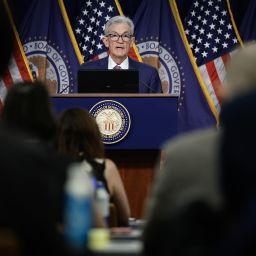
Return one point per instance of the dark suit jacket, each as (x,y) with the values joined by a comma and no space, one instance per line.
(149,81)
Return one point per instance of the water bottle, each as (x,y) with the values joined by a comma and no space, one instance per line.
(102,200)
(77,207)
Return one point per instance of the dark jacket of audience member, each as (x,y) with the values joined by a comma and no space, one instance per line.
(238,174)
(29,181)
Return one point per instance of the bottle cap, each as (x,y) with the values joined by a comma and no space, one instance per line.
(98,239)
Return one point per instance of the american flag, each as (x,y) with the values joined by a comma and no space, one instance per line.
(90,25)
(212,38)
(18,69)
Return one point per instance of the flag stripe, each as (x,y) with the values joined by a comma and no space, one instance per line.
(226,58)
(20,65)
(7,79)
(214,77)
(18,69)
(14,70)
(220,68)
(210,89)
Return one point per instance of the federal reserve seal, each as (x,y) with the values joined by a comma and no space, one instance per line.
(47,62)
(113,120)
(164,59)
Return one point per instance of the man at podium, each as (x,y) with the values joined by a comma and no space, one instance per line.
(119,39)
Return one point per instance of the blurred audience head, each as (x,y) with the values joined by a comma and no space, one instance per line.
(78,135)
(241,75)
(27,108)
(7,43)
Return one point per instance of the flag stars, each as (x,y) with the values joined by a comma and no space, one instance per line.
(199,17)
(217,8)
(78,31)
(204,54)
(81,21)
(89,3)
(222,22)
(99,13)
(99,46)
(207,12)
(193,13)
(210,3)
(84,48)
(92,19)
(87,38)
(212,26)
(102,4)
(206,45)
(199,40)
(224,13)
(110,8)
(89,29)
(225,45)
(107,18)
(196,4)
(204,21)
(217,40)
(227,35)
(190,22)
(214,17)
(201,31)
(209,35)
(193,36)
(229,26)
(191,45)
(235,41)
(187,32)
(215,49)
(219,31)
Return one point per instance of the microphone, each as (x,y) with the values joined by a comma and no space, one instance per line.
(152,90)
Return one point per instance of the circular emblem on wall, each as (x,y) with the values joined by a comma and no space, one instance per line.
(47,62)
(164,59)
(113,120)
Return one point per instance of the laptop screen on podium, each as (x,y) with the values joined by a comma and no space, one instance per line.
(108,81)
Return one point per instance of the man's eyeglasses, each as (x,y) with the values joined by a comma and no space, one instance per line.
(115,37)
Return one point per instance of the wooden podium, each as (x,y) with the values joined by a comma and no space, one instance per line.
(153,120)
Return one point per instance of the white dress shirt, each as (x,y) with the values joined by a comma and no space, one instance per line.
(123,65)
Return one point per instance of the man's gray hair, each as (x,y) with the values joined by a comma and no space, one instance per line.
(241,70)
(119,20)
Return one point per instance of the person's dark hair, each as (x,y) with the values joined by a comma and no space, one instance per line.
(27,108)
(78,133)
(6,39)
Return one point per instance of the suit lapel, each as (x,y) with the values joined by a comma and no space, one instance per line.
(132,64)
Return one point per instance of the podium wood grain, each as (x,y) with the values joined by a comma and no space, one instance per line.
(137,172)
